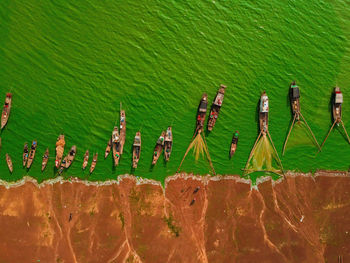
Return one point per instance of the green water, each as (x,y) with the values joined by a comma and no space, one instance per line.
(70,63)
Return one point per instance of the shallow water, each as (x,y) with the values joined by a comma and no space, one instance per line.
(69,65)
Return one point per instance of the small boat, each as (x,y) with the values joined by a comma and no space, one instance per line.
(294,95)
(337,102)
(9,163)
(31,154)
(45,160)
(122,129)
(158,148)
(25,154)
(215,107)
(201,112)
(168,143)
(116,145)
(108,148)
(63,164)
(263,113)
(6,110)
(71,156)
(234,143)
(59,150)
(93,163)
(136,149)
(86,159)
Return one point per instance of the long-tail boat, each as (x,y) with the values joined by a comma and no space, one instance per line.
(9,163)
(31,154)
(6,110)
(122,130)
(59,150)
(86,159)
(264,113)
(116,145)
(93,163)
(215,107)
(168,143)
(136,151)
(45,160)
(71,156)
(234,143)
(25,154)
(201,112)
(158,148)
(108,148)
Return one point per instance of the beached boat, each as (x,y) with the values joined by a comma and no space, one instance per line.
(59,150)
(86,159)
(234,143)
(45,160)
(116,145)
(93,163)
(25,154)
(337,102)
(122,130)
(31,154)
(158,148)
(108,148)
(9,163)
(168,143)
(294,95)
(71,156)
(215,107)
(136,151)
(264,113)
(201,112)
(6,110)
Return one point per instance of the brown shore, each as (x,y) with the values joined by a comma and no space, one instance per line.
(302,218)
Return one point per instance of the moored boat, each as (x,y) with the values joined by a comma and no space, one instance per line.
(71,156)
(168,143)
(45,160)
(136,151)
(215,107)
(337,102)
(122,130)
(25,154)
(31,154)
(116,145)
(59,150)
(158,148)
(201,112)
(234,143)
(108,148)
(9,163)
(6,110)
(93,163)
(263,113)
(294,96)
(86,159)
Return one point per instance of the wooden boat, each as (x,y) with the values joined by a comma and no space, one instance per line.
(168,143)
(158,148)
(136,149)
(116,145)
(215,107)
(263,113)
(63,164)
(59,150)
(201,112)
(86,159)
(9,163)
(337,102)
(45,160)
(6,110)
(93,163)
(71,156)
(234,143)
(108,148)
(122,130)
(25,154)
(31,154)
(294,96)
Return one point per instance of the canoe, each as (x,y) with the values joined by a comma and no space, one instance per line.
(71,156)
(86,159)
(6,110)
(9,163)
(31,154)
(234,143)
(158,148)
(25,154)
(294,96)
(63,164)
(59,150)
(108,148)
(136,149)
(337,102)
(263,113)
(45,160)
(93,163)
(116,145)
(122,130)
(168,143)
(201,112)
(215,107)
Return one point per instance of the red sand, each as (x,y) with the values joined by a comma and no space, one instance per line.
(298,219)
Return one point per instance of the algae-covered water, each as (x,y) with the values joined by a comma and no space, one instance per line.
(70,63)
